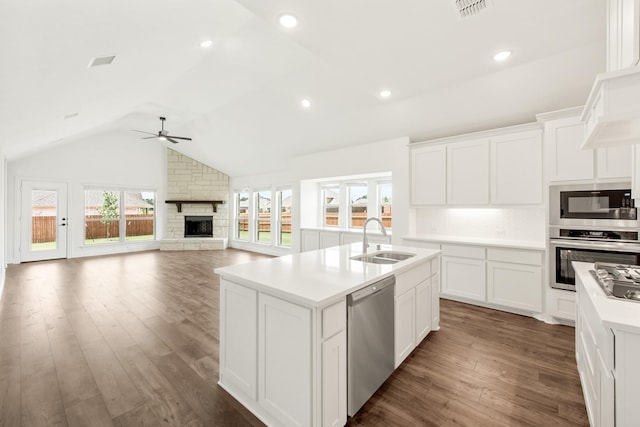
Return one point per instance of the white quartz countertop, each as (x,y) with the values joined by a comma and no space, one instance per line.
(478,241)
(615,313)
(318,278)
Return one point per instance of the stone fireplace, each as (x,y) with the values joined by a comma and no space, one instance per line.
(191,189)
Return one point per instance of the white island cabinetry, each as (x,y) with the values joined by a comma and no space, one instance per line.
(607,353)
(283,336)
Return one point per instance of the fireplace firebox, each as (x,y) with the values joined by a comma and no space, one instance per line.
(198,226)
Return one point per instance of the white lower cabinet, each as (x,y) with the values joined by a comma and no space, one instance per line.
(334,380)
(497,277)
(417,307)
(514,278)
(310,240)
(423,310)
(464,277)
(238,361)
(284,360)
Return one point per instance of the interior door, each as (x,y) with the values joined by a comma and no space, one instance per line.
(44,221)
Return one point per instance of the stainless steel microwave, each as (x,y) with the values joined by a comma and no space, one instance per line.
(609,205)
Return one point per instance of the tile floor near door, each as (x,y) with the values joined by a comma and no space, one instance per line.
(133,340)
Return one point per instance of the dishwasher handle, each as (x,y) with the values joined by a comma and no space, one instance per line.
(370,290)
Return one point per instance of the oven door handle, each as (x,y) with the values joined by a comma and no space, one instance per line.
(622,247)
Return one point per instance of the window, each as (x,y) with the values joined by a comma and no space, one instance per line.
(104,210)
(284,217)
(263,216)
(331,205)
(242,216)
(358,204)
(385,197)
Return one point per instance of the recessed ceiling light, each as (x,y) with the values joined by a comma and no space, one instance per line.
(501,56)
(288,21)
(385,93)
(305,103)
(206,43)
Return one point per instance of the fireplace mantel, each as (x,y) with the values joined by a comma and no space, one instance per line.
(213,203)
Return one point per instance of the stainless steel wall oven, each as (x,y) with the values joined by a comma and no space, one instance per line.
(567,245)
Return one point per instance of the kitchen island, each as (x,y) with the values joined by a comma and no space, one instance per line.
(283,327)
(607,352)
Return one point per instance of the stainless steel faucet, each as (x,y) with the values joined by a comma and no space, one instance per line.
(365,244)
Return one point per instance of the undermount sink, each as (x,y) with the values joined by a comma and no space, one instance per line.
(386,257)
(400,256)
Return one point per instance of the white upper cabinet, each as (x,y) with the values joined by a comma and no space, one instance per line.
(428,175)
(516,168)
(614,162)
(501,167)
(567,161)
(468,172)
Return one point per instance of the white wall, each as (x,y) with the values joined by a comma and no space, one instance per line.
(3,228)
(114,159)
(376,157)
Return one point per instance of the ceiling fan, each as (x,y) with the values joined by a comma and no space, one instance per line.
(163,134)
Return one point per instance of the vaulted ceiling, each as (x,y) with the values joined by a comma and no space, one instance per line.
(239,99)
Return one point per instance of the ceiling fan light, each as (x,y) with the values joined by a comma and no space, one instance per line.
(207,43)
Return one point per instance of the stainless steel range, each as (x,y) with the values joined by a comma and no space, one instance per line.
(618,280)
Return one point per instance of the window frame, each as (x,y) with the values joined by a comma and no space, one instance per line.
(323,215)
(237,196)
(256,217)
(122,214)
(278,227)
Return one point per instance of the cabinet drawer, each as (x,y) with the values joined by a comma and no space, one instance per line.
(476,252)
(409,279)
(334,319)
(519,256)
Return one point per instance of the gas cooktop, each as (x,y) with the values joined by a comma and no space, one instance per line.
(618,280)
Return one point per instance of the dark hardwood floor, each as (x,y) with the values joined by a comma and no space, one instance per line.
(132,339)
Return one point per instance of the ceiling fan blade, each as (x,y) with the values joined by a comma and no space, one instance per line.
(150,137)
(170,139)
(181,137)
(141,131)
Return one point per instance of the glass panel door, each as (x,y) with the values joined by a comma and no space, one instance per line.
(44,221)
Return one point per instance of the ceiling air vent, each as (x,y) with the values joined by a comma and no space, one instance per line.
(103,60)
(467,8)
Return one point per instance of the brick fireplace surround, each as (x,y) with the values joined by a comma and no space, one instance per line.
(188,179)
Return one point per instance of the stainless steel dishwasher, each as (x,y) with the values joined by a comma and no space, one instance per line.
(370,341)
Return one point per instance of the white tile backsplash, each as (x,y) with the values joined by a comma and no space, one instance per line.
(521,223)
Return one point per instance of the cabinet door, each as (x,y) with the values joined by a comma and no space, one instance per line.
(606,388)
(516,168)
(428,175)
(614,162)
(329,239)
(423,310)
(238,338)
(468,173)
(435,302)
(405,325)
(310,240)
(284,360)
(567,161)
(334,380)
(464,277)
(515,285)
